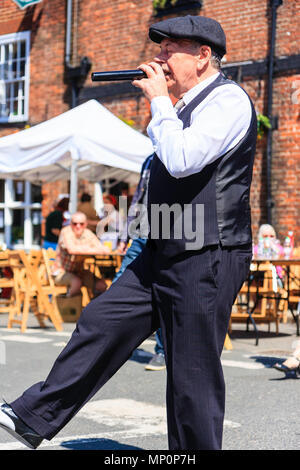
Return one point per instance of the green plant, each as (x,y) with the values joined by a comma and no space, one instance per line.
(263,123)
(161,4)
(17,233)
(129,122)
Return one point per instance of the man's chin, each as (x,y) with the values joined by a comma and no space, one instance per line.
(172,89)
(171,84)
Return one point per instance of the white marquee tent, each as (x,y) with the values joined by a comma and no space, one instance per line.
(87,142)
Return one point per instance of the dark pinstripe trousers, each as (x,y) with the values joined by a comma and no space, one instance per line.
(190,297)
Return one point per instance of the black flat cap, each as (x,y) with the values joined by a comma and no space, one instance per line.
(199,28)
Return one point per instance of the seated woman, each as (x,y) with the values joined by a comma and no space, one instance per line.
(267,240)
(112,224)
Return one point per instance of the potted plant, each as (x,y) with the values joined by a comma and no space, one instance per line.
(164,7)
(161,4)
(263,123)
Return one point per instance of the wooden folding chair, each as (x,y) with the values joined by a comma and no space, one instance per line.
(258,298)
(48,285)
(9,304)
(32,292)
(16,314)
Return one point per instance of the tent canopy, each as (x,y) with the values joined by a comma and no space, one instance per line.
(102,145)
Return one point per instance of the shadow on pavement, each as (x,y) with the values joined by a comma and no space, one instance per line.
(97,444)
(267,361)
(244,334)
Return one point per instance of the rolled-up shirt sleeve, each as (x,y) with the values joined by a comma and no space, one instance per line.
(217,125)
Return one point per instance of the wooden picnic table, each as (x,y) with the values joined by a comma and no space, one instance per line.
(261,285)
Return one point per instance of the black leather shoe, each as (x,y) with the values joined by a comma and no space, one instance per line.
(10,422)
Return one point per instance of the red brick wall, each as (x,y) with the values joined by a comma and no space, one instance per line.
(113,34)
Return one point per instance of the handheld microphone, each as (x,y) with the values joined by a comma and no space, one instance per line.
(118,75)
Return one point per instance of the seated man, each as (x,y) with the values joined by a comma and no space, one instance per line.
(77,239)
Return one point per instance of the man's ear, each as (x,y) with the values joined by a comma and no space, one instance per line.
(203,57)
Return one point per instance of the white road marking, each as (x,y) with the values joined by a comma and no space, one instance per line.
(42,331)
(34,339)
(148,342)
(144,418)
(66,334)
(24,339)
(138,419)
(231,424)
(242,364)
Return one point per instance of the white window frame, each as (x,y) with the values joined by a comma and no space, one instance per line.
(10,39)
(9,205)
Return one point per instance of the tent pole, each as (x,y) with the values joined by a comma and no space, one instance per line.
(73,187)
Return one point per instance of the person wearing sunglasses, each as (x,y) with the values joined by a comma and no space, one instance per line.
(74,239)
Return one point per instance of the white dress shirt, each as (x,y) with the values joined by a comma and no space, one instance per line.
(218,123)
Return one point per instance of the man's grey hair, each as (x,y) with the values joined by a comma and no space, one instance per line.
(215,59)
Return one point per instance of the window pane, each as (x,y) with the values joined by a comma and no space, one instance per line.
(18,226)
(22,107)
(14,68)
(14,49)
(3,110)
(22,68)
(36,193)
(21,92)
(7,89)
(2,182)
(22,49)
(2,235)
(7,71)
(15,108)
(1,71)
(5,53)
(36,217)
(19,188)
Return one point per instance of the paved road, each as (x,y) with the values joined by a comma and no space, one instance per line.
(129,412)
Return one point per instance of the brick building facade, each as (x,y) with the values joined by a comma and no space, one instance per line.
(113,35)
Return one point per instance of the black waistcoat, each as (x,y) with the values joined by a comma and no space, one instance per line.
(222,189)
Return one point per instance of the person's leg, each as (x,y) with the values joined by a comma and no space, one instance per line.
(75,287)
(100,286)
(133,251)
(95,284)
(194,316)
(159,348)
(157,362)
(70,280)
(108,330)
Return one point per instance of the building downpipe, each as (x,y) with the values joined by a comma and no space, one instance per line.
(274,5)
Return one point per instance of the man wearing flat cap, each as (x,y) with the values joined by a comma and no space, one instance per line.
(187,277)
